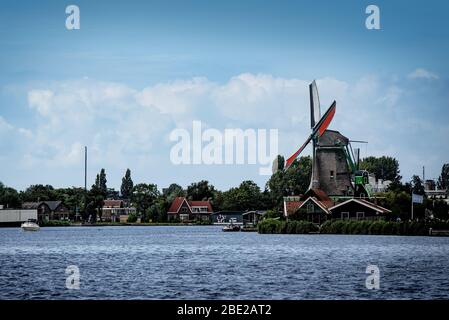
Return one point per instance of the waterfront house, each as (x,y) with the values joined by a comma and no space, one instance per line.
(48,210)
(317,207)
(116,211)
(252,217)
(358,209)
(221,217)
(313,206)
(185,210)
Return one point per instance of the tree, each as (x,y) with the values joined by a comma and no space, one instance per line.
(143,197)
(73,198)
(200,191)
(38,192)
(443,180)
(127,185)
(417,185)
(101,181)
(158,210)
(293,181)
(246,197)
(173,191)
(96,198)
(9,197)
(385,168)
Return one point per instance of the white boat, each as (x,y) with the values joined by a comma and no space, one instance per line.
(30,225)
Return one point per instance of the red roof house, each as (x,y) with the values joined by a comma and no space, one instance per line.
(184,210)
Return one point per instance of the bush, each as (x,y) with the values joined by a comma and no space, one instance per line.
(132,218)
(286,227)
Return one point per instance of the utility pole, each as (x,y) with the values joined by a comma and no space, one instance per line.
(85,181)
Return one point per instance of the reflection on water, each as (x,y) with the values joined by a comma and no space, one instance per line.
(202,262)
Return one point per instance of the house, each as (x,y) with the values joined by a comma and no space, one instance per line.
(313,206)
(252,217)
(317,207)
(222,217)
(358,209)
(115,211)
(184,210)
(48,210)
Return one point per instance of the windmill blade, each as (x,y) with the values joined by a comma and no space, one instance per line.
(315,112)
(296,154)
(318,131)
(324,122)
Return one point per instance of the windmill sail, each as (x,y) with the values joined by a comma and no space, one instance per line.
(317,131)
(315,112)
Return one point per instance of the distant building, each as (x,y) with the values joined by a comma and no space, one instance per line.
(14,217)
(429,185)
(317,207)
(313,206)
(115,211)
(358,209)
(221,217)
(184,210)
(252,217)
(48,210)
(378,185)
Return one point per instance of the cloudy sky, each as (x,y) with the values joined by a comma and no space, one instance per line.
(135,71)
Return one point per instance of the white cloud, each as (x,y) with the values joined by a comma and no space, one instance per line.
(129,127)
(421,73)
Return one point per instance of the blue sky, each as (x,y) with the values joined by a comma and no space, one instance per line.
(136,70)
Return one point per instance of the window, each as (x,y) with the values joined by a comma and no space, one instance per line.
(184,209)
(332,174)
(360,215)
(345,215)
(310,208)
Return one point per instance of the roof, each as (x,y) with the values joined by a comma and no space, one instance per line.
(365,203)
(177,203)
(52,205)
(201,204)
(320,198)
(113,203)
(30,205)
(290,207)
(322,204)
(318,193)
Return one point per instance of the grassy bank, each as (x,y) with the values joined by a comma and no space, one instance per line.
(55,223)
(352,227)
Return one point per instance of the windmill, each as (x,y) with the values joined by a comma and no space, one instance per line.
(333,164)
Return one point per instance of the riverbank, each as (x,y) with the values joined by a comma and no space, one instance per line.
(55,223)
(354,227)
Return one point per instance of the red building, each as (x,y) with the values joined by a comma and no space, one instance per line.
(184,210)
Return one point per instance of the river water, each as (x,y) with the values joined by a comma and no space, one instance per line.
(202,262)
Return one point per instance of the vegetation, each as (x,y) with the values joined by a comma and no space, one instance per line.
(55,223)
(385,168)
(380,227)
(127,186)
(152,205)
(286,227)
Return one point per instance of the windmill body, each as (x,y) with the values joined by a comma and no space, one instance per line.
(333,165)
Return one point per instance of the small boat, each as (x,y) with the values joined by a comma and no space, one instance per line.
(30,225)
(231,227)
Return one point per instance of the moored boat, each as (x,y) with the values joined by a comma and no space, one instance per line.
(30,225)
(231,227)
